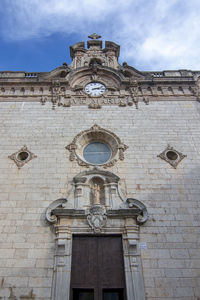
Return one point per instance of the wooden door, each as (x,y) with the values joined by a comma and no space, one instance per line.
(97,268)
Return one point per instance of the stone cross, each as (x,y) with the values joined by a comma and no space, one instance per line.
(94,36)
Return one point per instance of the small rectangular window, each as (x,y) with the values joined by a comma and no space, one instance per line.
(83,294)
(113,294)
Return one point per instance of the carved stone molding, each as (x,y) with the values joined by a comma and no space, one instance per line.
(172,156)
(96,133)
(22,156)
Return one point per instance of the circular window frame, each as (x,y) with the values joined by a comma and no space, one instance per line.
(96,164)
(96,134)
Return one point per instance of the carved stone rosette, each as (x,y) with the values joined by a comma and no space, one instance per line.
(22,156)
(96,133)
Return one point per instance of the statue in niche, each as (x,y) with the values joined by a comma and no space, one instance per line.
(96,193)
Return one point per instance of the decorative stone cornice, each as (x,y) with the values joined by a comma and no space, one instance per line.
(135,208)
(125,85)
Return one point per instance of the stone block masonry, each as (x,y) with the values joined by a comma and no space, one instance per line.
(170,262)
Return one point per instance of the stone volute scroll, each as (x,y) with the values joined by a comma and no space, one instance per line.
(50,217)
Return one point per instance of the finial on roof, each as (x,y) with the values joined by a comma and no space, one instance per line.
(94,36)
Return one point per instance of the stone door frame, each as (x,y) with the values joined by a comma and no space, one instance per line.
(63,256)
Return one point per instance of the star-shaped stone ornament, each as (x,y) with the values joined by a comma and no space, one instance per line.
(172,156)
(22,156)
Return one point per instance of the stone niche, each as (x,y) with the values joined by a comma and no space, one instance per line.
(97,206)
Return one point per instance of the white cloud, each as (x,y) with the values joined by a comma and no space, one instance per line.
(153,34)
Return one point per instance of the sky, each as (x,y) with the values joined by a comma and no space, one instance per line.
(154,35)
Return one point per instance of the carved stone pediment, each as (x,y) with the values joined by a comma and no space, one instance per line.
(106,203)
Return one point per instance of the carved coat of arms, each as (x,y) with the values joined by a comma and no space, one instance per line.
(96,217)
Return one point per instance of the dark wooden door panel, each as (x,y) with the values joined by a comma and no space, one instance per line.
(84,264)
(97,264)
(111,262)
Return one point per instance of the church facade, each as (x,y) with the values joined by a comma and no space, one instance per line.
(99,181)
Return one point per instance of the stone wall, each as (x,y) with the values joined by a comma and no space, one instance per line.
(171,261)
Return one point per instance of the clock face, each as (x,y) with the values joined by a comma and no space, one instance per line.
(95,88)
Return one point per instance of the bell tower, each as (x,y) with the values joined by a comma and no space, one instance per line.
(94,54)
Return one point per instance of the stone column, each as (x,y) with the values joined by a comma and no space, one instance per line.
(132,263)
(62,265)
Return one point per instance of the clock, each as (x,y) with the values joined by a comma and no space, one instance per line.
(95,89)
